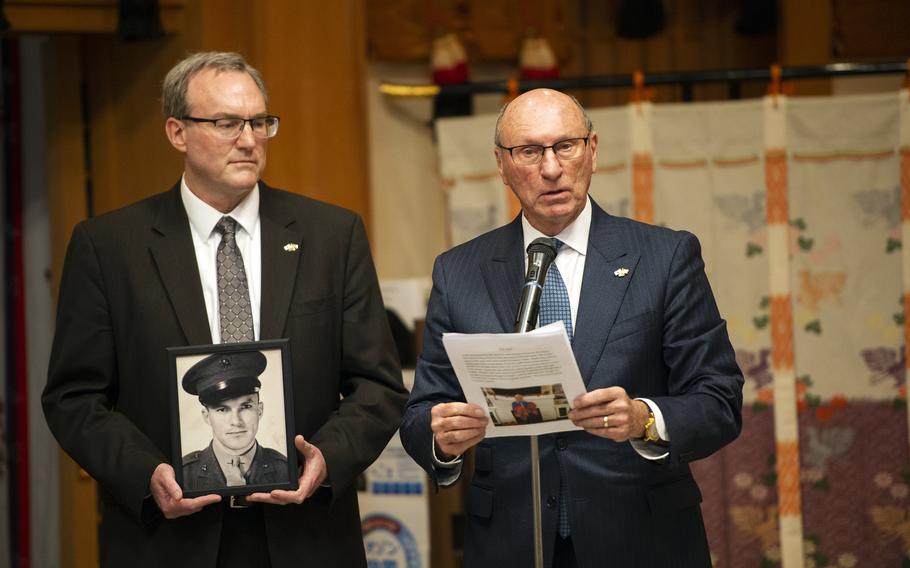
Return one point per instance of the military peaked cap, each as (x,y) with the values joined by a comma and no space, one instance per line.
(223,376)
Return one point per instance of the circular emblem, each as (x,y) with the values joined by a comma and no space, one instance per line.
(388,543)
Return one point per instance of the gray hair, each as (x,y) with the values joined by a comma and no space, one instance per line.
(174,87)
(497,135)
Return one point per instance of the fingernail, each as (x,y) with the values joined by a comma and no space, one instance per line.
(478,412)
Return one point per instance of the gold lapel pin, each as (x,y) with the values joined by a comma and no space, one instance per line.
(291,247)
(620,272)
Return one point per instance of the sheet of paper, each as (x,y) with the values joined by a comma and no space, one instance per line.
(525,381)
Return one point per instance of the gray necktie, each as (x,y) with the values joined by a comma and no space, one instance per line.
(555,306)
(234,308)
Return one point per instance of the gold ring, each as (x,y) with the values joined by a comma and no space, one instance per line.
(606,421)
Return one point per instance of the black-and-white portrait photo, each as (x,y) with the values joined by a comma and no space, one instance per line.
(232,420)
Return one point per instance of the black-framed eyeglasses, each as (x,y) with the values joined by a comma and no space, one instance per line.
(530,154)
(231,127)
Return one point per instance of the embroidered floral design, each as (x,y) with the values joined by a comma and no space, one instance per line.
(882,205)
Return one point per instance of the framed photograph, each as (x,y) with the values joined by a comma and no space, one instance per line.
(232,418)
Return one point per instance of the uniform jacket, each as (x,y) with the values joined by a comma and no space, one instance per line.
(201,470)
(130,288)
(655,332)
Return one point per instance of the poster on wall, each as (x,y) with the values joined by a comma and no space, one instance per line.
(394,509)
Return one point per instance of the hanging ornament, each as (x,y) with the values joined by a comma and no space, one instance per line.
(450,67)
(536,59)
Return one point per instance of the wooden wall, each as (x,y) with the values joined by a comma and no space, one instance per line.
(697,35)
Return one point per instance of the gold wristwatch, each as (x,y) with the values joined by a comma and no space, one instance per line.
(651,434)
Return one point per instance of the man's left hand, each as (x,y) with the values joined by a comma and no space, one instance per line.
(313,473)
(625,418)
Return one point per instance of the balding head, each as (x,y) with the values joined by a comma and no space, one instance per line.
(546,152)
(538,97)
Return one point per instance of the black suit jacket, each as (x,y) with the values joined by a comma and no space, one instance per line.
(131,288)
(656,332)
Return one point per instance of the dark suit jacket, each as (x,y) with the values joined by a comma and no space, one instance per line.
(131,287)
(656,333)
(202,472)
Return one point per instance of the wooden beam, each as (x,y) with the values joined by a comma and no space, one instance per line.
(79,16)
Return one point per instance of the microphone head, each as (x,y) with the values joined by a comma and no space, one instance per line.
(543,245)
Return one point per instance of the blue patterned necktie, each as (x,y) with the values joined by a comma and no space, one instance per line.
(235,311)
(554,299)
(555,306)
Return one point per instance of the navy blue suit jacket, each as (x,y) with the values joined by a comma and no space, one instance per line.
(656,332)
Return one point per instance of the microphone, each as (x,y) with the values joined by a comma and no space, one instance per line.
(541,254)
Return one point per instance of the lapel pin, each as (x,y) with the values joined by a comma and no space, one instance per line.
(291,247)
(620,272)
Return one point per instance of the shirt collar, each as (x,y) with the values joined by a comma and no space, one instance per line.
(203,217)
(574,236)
(225,458)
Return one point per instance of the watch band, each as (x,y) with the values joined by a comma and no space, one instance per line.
(651,434)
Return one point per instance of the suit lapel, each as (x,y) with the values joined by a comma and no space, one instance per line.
(172,249)
(503,273)
(602,291)
(279,262)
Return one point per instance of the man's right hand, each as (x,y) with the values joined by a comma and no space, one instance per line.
(457,426)
(169,496)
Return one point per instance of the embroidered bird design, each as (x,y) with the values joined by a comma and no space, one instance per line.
(756,365)
(885,363)
(825,444)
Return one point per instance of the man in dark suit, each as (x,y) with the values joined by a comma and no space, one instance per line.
(221,257)
(663,387)
(227,385)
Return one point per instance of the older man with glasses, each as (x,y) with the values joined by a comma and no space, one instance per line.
(663,385)
(222,257)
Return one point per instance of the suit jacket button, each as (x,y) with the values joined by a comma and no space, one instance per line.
(562,443)
(552,502)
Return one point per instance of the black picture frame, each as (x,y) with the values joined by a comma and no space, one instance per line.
(196,462)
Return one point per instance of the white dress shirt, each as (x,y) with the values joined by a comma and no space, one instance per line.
(203,218)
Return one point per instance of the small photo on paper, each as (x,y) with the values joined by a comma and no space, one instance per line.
(527,405)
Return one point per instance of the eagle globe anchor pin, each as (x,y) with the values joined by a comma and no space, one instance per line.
(620,272)
(290,247)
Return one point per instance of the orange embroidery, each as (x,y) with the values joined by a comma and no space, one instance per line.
(850,156)
(815,287)
(788,478)
(781,332)
(643,187)
(776,186)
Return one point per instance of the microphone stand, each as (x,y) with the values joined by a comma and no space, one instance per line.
(535,494)
(540,254)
